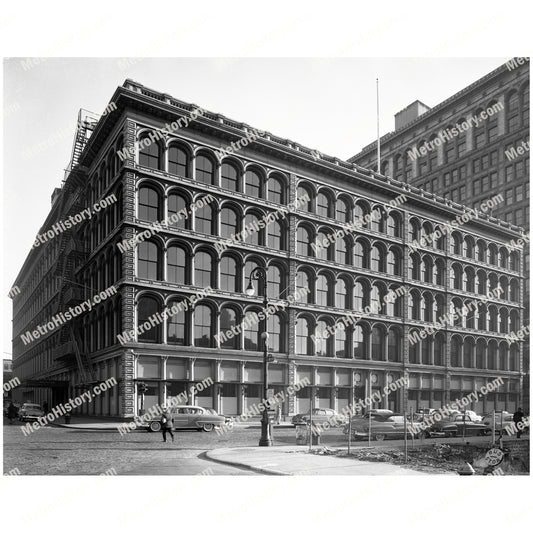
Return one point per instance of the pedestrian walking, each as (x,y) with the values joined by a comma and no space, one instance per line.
(278,414)
(518,418)
(167,423)
(11,412)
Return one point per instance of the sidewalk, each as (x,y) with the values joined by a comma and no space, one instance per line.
(295,460)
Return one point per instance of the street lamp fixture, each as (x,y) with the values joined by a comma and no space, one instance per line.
(260,274)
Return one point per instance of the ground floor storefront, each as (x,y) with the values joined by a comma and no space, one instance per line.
(235,387)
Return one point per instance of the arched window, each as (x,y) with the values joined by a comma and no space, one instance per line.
(251,331)
(202,270)
(303,337)
(323,339)
(360,211)
(253,184)
(481,350)
(468,357)
(204,220)
(342,212)
(303,282)
(303,242)
(361,255)
(275,336)
(302,194)
(456,348)
(275,190)
(274,282)
(150,155)
(378,344)
(149,204)
(342,254)
(147,307)
(148,264)
(323,205)
(492,352)
(203,330)
(504,356)
(360,340)
(228,274)
(204,170)
(228,323)
(228,223)
(457,244)
(322,290)
(414,267)
(176,325)
(229,177)
(393,342)
(176,265)
(275,236)
(438,349)
(342,348)
(377,259)
(177,208)
(252,237)
(361,296)
(178,162)
(394,265)
(342,300)
(414,305)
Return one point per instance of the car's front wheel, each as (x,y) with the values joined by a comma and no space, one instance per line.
(379,436)
(154,426)
(208,427)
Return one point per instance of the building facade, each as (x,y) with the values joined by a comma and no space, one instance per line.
(204,204)
(486,157)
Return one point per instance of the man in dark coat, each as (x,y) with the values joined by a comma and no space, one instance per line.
(518,417)
(167,423)
(11,412)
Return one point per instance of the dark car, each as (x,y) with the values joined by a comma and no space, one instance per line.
(382,426)
(457,425)
(320,416)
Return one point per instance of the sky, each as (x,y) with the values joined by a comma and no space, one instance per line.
(325,104)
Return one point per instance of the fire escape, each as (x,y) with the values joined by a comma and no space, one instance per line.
(72,254)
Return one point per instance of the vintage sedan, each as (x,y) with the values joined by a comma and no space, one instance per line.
(457,425)
(381,427)
(30,411)
(320,416)
(191,417)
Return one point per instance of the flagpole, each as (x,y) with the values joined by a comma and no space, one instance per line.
(377,112)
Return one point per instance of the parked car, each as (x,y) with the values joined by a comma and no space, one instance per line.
(456,425)
(30,411)
(503,419)
(381,426)
(191,417)
(474,416)
(320,415)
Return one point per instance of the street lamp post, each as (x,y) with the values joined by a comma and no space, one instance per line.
(260,273)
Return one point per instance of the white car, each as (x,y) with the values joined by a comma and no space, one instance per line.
(30,411)
(473,416)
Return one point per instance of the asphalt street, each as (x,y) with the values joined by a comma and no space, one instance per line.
(61,451)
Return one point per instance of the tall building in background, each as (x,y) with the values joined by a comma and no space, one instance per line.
(336,233)
(470,147)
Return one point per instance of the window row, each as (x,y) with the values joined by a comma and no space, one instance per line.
(178,159)
(254,227)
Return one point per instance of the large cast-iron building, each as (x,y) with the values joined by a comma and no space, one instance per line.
(158,175)
(489,156)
